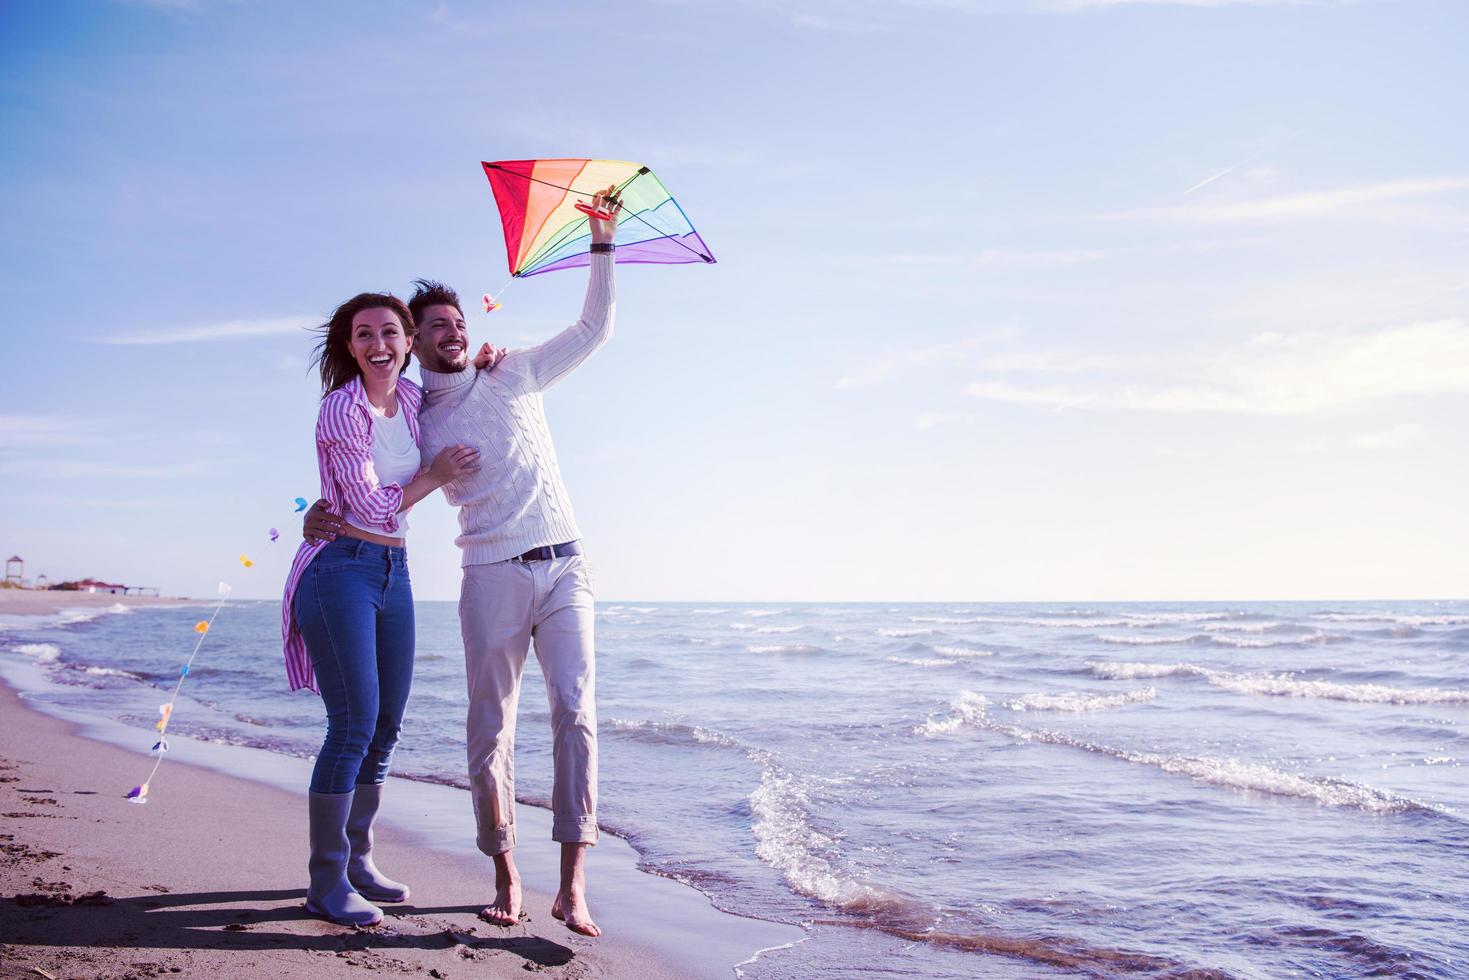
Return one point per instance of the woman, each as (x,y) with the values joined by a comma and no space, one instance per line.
(347,619)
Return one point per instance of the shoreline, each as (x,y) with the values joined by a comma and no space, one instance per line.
(196,882)
(50,602)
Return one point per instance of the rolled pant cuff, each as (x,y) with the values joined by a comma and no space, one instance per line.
(574,830)
(496,841)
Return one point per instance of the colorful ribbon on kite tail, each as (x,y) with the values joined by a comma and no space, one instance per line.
(139,793)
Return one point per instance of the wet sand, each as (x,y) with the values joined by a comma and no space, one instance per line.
(208,878)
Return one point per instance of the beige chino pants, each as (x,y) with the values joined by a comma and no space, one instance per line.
(502,608)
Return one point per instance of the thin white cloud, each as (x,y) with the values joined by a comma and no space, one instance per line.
(27,431)
(1403,434)
(882,365)
(1353,201)
(74,468)
(1069,6)
(1270,375)
(228,330)
(998,258)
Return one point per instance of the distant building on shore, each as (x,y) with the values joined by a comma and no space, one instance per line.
(15,579)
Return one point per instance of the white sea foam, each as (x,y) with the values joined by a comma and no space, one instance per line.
(1219,638)
(951,620)
(672,731)
(1132,671)
(113,672)
(962,652)
(786,840)
(1133,640)
(1079,700)
(44,653)
(1435,620)
(791,648)
(1181,617)
(922,661)
(1256,643)
(901,634)
(762,612)
(1266,627)
(707,612)
(752,628)
(1285,685)
(968,710)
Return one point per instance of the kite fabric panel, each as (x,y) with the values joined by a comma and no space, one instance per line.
(544,231)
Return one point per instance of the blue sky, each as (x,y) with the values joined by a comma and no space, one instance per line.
(1084,299)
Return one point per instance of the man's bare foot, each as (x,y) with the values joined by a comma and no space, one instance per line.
(571,908)
(505,909)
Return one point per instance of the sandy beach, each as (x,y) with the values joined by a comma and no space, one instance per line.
(209,885)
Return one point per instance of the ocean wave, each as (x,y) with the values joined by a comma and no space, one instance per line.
(707,612)
(794,649)
(44,653)
(1253,643)
(673,733)
(951,620)
(112,672)
(1151,641)
(787,840)
(762,612)
(962,652)
(1284,685)
(904,634)
(1133,671)
(1446,619)
(922,661)
(968,710)
(1079,700)
(1221,640)
(763,630)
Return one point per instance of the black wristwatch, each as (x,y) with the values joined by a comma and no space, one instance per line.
(603,247)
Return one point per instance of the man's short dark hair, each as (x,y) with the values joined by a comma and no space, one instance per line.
(430,293)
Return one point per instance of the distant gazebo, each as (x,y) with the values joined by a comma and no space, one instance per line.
(15,568)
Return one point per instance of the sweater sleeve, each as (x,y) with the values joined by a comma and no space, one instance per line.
(346,441)
(554,360)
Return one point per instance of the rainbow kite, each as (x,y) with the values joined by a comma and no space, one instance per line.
(546,231)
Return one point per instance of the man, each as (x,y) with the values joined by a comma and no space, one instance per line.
(524,578)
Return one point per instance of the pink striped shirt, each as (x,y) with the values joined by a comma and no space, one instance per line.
(348,482)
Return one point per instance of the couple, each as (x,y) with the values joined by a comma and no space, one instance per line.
(383,444)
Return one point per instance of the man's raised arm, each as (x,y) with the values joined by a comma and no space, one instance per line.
(548,363)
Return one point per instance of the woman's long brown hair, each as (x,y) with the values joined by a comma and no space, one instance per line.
(334,353)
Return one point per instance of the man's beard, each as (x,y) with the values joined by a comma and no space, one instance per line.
(445,364)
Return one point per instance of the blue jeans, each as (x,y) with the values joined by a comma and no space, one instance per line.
(354,606)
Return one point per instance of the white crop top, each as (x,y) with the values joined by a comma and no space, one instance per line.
(396,459)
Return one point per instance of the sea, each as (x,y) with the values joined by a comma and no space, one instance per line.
(951,789)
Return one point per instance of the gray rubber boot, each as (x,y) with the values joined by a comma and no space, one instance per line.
(329,895)
(370,883)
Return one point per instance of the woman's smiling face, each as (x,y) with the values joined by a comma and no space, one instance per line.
(378,343)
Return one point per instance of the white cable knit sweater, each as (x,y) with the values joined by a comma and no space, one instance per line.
(516,501)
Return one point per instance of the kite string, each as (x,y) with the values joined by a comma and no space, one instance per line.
(178,685)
